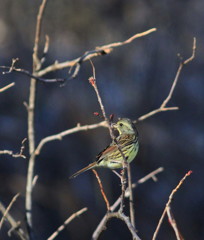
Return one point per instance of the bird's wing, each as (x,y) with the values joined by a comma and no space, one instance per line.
(109,149)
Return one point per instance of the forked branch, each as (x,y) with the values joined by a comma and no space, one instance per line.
(168,204)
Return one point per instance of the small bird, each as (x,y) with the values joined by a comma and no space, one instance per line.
(111,157)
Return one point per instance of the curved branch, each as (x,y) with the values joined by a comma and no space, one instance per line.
(60,135)
(99,51)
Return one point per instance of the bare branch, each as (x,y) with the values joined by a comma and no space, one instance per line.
(46,48)
(8,209)
(62,227)
(15,155)
(101,225)
(12,68)
(151,175)
(131,200)
(7,87)
(36,61)
(31,129)
(163,107)
(60,135)
(120,216)
(169,202)
(92,81)
(15,226)
(102,190)
(172,221)
(99,51)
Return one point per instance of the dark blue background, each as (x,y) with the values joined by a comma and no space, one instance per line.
(132,80)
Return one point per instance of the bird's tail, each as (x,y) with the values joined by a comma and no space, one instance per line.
(90,166)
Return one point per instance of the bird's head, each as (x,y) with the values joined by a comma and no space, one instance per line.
(125,126)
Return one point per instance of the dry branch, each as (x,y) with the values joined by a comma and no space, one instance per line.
(8,209)
(15,155)
(38,73)
(169,202)
(31,128)
(120,216)
(7,87)
(101,226)
(163,107)
(69,219)
(92,81)
(15,225)
(102,190)
(105,49)
(172,221)
(60,135)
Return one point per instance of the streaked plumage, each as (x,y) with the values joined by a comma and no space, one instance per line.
(111,157)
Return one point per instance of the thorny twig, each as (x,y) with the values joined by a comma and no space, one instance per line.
(69,219)
(169,202)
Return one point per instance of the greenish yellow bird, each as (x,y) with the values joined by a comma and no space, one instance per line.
(111,157)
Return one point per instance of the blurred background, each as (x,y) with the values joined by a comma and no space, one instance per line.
(133,80)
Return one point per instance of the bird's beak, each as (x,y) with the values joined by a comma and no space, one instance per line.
(114,125)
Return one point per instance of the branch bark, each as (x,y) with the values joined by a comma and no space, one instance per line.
(15,225)
(168,204)
(31,128)
(69,219)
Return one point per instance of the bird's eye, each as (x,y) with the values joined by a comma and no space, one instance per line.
(120,124)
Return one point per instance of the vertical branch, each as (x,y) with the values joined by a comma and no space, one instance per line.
(102,190)
(92,81)
(168,203)
(131,200)
(31,128)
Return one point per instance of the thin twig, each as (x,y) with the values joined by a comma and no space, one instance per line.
(92,81)
(101,225)
(46,48)
(143,117)
(15,155)
(102,190)
(60,135)
(172,221)
(7,87)
(8,209)
(12,68)
(31,129)
(15,225)
(131,200)
(69,219)
(163,107)
(99,51)
(120,216)
(151,175)
(169,202)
